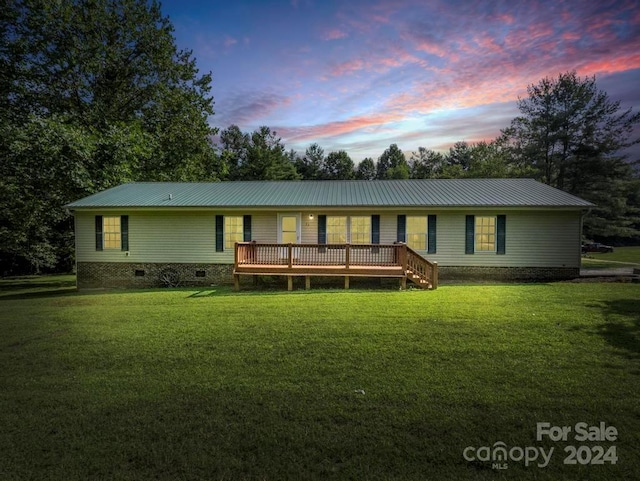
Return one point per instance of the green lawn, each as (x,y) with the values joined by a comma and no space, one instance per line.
(192,384)
(620,257)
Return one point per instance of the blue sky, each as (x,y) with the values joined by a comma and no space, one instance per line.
(360,75)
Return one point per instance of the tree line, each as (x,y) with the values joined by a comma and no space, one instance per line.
(261,155)
(95,93)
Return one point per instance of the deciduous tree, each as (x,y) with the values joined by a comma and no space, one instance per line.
(96,93)
(338,166)
(366,169)
(392,164)
(426,164)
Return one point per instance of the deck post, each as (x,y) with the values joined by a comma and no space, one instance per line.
(346,282)
(347,255)
(289,283)
(403,283)
(290,256)
(236,281)
(403,257)
(434,277)
(252,252)
(307,282)
(235,255)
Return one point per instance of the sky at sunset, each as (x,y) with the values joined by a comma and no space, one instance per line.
(360,75)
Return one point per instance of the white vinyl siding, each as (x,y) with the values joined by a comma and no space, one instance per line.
(168,237)
(533,238)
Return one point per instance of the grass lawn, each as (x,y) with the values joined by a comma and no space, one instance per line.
(620,257)
(192,384)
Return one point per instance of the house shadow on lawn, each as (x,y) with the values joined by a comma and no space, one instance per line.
(621,328)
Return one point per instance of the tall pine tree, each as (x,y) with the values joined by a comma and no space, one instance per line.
(572,134)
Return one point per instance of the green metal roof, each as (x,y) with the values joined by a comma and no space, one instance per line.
(341,193)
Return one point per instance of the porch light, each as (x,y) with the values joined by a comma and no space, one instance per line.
(310,216)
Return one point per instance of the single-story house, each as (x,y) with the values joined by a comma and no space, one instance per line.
(141,234)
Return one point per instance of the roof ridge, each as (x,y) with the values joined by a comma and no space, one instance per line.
(393,193)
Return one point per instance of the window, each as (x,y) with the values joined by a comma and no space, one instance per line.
(361,230)
(417,233)
(348,229)
(336,230)
(485,234)
(233,231)
(111,231)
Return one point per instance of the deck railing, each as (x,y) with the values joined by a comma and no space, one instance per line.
(346,255)
(287,258)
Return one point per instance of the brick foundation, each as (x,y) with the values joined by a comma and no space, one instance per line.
(140,275)
(507,274)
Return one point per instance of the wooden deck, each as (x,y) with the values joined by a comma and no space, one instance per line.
(344,260)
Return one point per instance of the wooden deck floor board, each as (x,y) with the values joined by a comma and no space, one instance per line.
(306,270)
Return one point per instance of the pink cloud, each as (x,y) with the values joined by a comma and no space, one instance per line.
(366,20)
(613,65)
(334,34)
(527,36)
(348,67)
(248,108)
(505,18)
(379,62)
(488,44)
(432,48)
(229,41)
(571,36)
(333,129)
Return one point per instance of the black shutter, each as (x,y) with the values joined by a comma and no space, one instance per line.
(219,233)
(402,229)
(98,232)
(375,232)
(470,234)
(322,229)
(246,228)
(375,229)
(322,232)
(501,231)
(431,234)
(124,232)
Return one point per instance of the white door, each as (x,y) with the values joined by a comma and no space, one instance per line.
(288,233)
(288,228)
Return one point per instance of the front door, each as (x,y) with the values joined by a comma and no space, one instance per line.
(289,228)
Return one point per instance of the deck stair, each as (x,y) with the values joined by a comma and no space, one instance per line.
(419,280)
(420,271)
